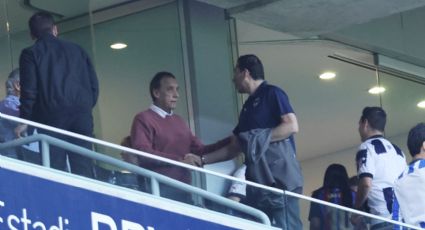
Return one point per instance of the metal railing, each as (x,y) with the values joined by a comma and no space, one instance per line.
(155,177)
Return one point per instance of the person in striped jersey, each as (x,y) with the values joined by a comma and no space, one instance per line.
(379,163)
(409,188)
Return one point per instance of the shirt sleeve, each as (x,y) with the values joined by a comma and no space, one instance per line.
(238,188)
(282,101)
(196,146)
(200,149)
(365,162)
(28,81)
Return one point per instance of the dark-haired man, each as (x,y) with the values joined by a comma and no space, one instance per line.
(59,88)
(410,187)
(265,133)
(379,163)
(158,130)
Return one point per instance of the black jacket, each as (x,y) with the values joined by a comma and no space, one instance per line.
(57,79)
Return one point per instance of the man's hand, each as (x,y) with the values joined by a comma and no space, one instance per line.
(20,129)
(192,159)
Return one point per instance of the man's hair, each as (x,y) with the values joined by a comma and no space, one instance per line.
(11,80)
(156,81)
(253,64)
(416,138)
(375,116)
(41,23)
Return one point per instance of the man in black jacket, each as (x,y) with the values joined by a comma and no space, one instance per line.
(59,88)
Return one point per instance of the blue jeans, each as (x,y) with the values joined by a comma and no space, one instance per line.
(286,216)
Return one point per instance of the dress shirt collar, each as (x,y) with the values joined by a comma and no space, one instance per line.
(160,111)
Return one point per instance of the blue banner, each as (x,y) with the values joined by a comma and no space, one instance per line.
(30,202)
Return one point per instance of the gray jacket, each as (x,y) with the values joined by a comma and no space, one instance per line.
(269,163)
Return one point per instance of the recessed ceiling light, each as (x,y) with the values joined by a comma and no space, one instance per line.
(376,90)
(327,75)
(118,46)
(421,104)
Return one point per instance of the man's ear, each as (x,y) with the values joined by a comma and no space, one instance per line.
(366,124)
(17,86)
(155,93)
(423,147)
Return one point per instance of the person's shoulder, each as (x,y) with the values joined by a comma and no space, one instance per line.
(63,41)
(364,144)
(273,89)
(145,113)
(177,119)
(69,45)
(28,50)
(176,116)
(372,141)
(317,193)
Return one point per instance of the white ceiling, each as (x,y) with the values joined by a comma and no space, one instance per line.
(307,18)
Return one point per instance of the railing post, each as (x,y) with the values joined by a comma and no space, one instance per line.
(155,186)
(45,153)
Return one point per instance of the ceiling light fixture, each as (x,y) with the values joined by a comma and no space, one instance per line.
(421,104)
(118,46)
(376,90)
(327,75)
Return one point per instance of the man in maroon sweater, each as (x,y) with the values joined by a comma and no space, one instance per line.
(159,131)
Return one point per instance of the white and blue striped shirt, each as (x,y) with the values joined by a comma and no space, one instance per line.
(409,191)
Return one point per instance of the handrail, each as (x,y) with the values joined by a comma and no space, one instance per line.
(202,170)
(350,210)
(137,152)
(135,169)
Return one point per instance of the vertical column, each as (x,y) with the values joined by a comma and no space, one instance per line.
(206,39)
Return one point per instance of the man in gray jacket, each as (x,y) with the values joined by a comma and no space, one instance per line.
(264,133)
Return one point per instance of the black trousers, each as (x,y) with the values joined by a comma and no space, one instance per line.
(81,123)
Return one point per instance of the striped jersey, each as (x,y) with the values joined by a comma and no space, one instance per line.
(382,161)
(409,191)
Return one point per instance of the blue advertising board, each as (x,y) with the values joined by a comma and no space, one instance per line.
(37,198)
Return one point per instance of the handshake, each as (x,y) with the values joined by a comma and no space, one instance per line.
(193,159)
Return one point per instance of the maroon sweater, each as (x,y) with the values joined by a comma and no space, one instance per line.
(168,137)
